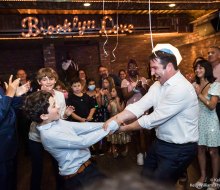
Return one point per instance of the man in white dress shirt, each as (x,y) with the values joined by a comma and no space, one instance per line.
(66,141)
(175,117)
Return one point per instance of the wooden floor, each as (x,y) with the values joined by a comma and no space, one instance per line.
(106,163)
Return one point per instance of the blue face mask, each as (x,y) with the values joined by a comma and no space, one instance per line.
(91,87)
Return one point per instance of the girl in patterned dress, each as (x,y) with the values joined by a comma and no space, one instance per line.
(208,92)
(115,106)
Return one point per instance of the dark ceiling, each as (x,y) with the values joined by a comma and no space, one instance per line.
(187,11)
(194,8)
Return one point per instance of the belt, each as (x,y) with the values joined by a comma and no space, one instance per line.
(177,145)
(80,170)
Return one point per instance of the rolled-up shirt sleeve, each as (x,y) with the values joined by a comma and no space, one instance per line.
(145,103)
(172,102)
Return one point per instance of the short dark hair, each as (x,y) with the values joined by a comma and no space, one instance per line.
(208,71)
(164,58)
(132,61)
(37,104)
(100,66)
(89,80)
(75,80)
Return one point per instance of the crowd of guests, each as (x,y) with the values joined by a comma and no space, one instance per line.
(90,103)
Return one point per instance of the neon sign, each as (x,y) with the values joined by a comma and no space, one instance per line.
(31,23)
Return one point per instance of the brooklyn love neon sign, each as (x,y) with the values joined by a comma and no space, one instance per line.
(31,23)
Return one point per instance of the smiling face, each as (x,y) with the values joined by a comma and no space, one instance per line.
(200,71)
(122,75)
(53,112)
(47,83)
(103,72)
(82,75)
(158,71)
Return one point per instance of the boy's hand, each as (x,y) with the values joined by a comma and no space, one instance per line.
(83,120)
(69,110)
(89,118)
(116,119)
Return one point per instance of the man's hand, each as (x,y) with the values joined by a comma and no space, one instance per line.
(115,118)
(23,89)
(11,87)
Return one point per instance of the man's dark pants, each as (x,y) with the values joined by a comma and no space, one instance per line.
(165,162)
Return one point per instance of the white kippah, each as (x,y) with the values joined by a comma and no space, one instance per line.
(168,48)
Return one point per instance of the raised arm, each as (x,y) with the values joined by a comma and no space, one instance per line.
(82,135)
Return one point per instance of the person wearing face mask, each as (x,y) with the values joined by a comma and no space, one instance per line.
(93,91)
(133,88)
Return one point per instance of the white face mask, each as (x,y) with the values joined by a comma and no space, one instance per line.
(91,87)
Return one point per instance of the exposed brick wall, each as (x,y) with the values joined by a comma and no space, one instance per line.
(85,53)
(32,56)
(49,56)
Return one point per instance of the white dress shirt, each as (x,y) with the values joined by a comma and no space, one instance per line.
(60,103)
(176,110)
(68,142)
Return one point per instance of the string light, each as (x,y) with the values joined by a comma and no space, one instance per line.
(33,30)
(114,28)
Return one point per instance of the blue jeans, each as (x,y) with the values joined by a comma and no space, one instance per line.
(165,162)
(90,175)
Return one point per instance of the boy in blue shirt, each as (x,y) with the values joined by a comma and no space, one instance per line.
(66,141)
